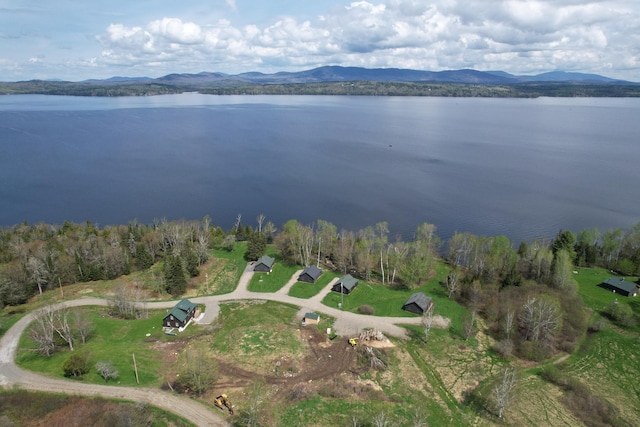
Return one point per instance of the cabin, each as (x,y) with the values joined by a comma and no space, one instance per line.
(345,285)
(620,286)
(419,303)
(181,314)
(264,264)
(310,274)
(311,319)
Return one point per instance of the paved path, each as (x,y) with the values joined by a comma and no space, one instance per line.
(347,323)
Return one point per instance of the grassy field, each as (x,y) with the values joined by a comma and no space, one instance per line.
(113,340)
(274,281)
(25,408)
(308,290)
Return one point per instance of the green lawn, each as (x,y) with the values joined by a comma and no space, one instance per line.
(594,296)
(308,290)
(113,340)
(274,281)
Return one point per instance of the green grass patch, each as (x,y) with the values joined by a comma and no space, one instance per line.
(308,290)
(274,281)
(113,340)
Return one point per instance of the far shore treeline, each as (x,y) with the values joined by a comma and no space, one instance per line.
(34,258)
(356,87)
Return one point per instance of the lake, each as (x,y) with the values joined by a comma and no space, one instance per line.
(523,168)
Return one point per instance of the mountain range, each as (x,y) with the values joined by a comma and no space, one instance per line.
(343,74)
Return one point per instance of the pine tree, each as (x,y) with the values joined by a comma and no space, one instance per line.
(175,280)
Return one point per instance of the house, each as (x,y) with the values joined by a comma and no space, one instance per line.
(345,284)
(181,314)
(264,264)
(419,303)
(311,319)
(310,274)
(621,286)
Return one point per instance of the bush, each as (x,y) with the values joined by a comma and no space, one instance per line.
(620,313)
(504,348)
(76,366)
(366,309)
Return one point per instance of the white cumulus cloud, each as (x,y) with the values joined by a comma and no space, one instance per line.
(518,36)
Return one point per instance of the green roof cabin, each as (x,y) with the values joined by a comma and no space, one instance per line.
(345,285)
(181,314)
(620,286)
(310,274)
(419,303)
(264,264)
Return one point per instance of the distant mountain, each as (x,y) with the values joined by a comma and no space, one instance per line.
(341,74)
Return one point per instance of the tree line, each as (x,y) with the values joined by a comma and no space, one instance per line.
(39,257)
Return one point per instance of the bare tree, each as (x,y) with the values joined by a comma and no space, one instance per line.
(469,325)
(128,302)
(83,325)
(508,323)
(541,318)
(427,323)
(260,220)
(381,419)
(419,418)
(504,390)
(238,222)
(106,370)
(453,281)
(42,334)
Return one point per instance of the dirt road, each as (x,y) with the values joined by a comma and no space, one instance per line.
(346,324)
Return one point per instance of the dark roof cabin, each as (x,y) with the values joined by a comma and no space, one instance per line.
(310,274)
(419,303)
(345,284)
(621,286)
(264,264)
(180,314)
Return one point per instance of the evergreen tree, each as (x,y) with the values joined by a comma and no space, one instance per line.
(256,246)
(191,261)
(144,260)
(174,278)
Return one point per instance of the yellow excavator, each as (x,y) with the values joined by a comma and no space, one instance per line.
(353,342)
(223,402)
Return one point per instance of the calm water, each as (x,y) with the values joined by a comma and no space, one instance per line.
(520,167)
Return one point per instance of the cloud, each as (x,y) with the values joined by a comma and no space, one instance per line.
(514,35)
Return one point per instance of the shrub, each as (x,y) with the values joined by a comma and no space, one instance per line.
(366,309)
(76,366)
(504,347)
(620,313)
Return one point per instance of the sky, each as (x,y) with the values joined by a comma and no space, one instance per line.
(89,39)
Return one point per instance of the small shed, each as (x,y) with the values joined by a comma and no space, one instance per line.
(310,274)
(345,285)
(311,319)
(181,314)
(620,286)
(419,303)
(264,264)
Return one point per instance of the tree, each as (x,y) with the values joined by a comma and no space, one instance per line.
(382,230)
(453,281)
(42,334)
(255,411)
(175,280)
(260,219)
(256,247)
(106,370)
(197,369)
(76,366)
(503,391)
(562,272)
(541,319)
(427,323)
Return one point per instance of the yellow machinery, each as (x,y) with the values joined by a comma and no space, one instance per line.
(353,342)
(223,402)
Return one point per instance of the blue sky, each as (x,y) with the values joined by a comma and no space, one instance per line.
(83,39)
